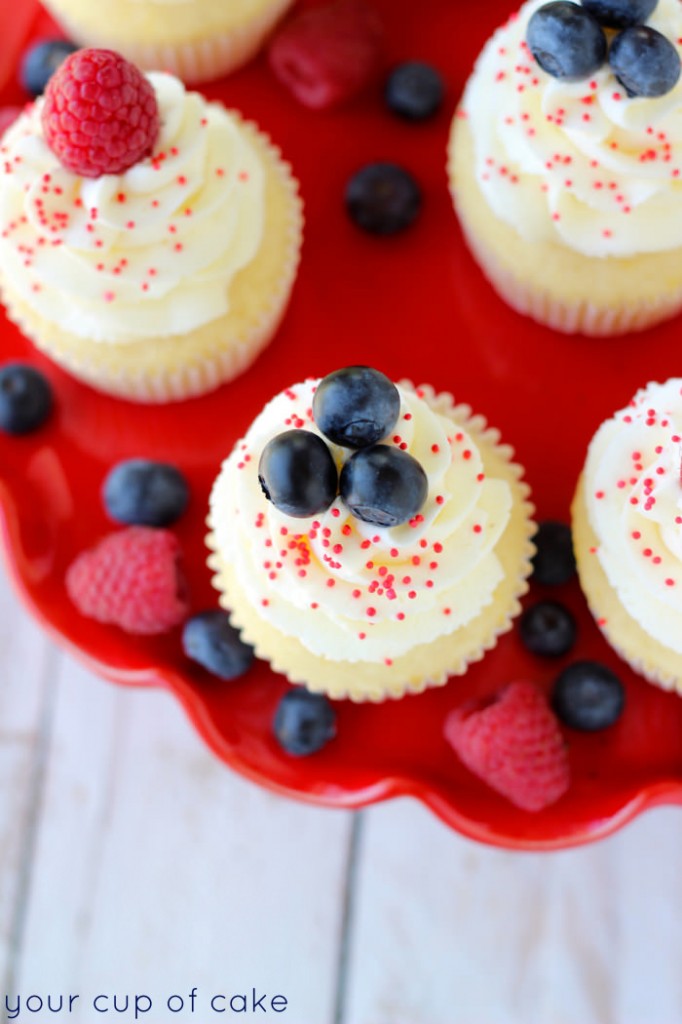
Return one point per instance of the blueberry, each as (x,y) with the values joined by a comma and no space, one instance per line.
(547,628)
(620,13)
(40,62)
(382,198)
(209,639)
(383,485)
(25,398)
(644,61)
(298,474)
(304,722)
(587,696)
(554,561)
(356,406)
(566,41)
(145,493)
(414,90)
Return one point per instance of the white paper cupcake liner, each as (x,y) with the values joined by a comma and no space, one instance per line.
(646,656)
(195,62)
(636,293)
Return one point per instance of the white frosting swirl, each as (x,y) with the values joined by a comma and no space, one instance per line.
(143,254)
(349,590)
(633,493)
(578,163)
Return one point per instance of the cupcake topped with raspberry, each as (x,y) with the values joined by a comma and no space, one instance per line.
(148,239)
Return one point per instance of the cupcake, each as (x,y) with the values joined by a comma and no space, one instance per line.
(197,40)
(627,532)
(568,181)
(369,539)
(154,264)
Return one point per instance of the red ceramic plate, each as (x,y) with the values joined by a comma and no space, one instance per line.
(416,306)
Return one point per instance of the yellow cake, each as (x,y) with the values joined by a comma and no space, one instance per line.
(363,611)
(569,193)
(627,532)
(165,280)
(198,40)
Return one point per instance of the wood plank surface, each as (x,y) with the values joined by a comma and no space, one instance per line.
(133,862)
(26,663)
(446,931)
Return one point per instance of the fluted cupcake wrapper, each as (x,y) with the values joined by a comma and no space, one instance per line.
(584,317)
(178,367)
(428,664)
(196,62)
(549,282)
(650,658)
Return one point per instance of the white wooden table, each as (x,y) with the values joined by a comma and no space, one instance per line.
(132,863)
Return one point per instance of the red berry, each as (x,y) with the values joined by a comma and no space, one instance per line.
(100,114)
(132,579)
(328,54)
(514,744)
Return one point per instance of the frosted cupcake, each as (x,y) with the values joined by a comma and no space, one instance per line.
(155,263)
(568,184)
(198,40)
(370,540)
(627,531)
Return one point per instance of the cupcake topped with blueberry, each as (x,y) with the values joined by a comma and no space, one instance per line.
(565,162)
(149,239)
(369,538)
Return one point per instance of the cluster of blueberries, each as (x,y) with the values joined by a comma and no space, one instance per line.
(355,408)
(568,40)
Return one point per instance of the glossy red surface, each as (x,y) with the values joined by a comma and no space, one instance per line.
(415,306)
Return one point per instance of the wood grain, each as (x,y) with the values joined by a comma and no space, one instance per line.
(131,861)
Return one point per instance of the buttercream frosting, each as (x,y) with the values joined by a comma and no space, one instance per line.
(633,494)
(576,162)
(347,589)
(143,254)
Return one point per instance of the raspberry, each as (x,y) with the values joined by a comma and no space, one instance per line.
(132,579)
(514,744)
(328,54)
(100,114)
